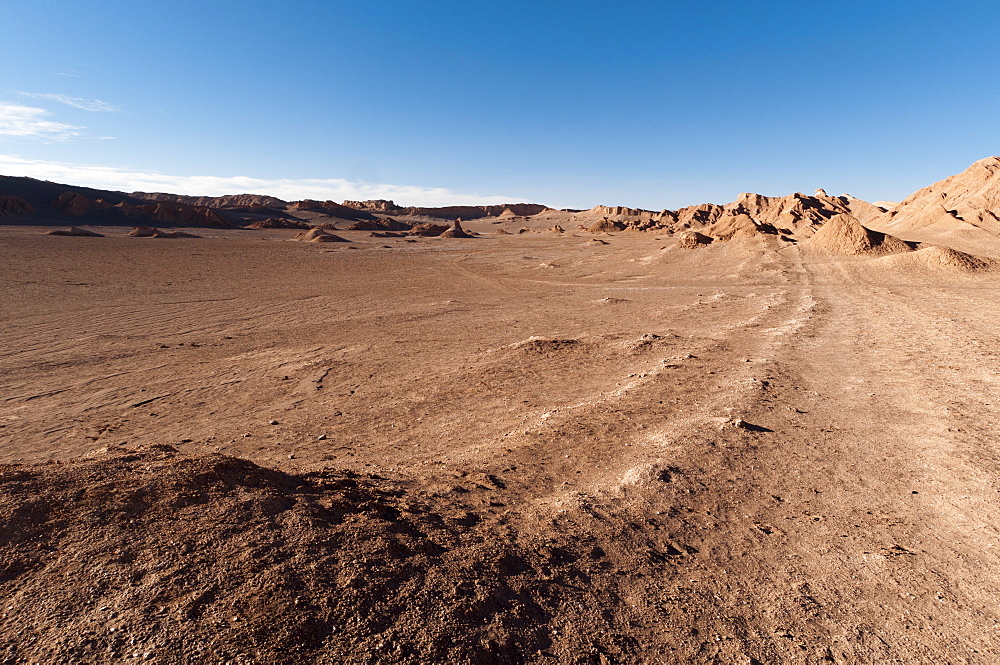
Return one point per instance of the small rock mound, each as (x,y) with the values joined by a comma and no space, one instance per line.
(843,234)
(556,229)
(76,231)
(319,235)
(151,232)
(692,239)
(501,232)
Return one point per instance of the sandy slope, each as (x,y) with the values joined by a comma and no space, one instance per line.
(534,449)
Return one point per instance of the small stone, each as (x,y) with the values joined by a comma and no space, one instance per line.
(273,422)
(322,437)
(291,457)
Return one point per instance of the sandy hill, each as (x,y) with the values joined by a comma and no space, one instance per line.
(969,202)
(843,234)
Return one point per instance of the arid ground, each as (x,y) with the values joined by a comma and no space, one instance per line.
(537,448)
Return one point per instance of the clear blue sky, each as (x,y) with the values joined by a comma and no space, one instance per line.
(649,104)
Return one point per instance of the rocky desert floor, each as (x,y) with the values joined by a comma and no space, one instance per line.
(530,448)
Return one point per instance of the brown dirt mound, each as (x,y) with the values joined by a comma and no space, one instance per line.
(692,239)
(940,258)
(319,235)
(843,234)
(76,231)
(501,232)
(556,229)
(151,554)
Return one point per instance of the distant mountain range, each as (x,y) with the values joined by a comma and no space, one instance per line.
(965,203)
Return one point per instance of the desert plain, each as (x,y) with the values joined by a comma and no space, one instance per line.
(761,436)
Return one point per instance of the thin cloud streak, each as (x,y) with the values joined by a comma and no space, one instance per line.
(19,121)
(75,102)
(336,189)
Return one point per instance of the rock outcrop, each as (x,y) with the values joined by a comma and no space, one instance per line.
(187,216)
(605,225)
(693,239)
(448,212)
(250,201)
(376,205)
(456,231)
(428,229)
(379,224)
(75,204)
(278,223)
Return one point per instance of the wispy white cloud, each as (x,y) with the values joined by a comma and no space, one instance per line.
(75,102)
(336,189)
(31,122)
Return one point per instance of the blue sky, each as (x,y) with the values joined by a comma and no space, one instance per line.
(647,104)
